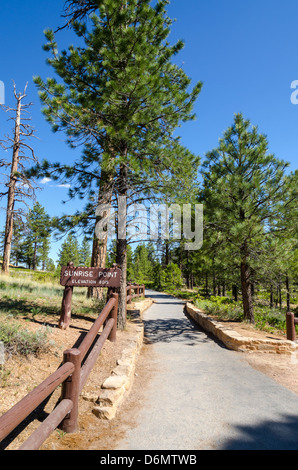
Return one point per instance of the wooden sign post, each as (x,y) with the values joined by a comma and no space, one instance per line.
(72,276)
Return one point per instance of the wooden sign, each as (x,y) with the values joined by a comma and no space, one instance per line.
(90,277)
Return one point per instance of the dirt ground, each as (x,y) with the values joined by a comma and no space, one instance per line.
(20,376)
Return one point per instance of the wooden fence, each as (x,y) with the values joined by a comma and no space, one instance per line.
(291,322)
(72,374)
(134,291)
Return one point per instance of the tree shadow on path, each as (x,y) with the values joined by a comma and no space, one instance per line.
(171,329)
(267,435)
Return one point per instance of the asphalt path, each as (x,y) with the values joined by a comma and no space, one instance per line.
(203,396)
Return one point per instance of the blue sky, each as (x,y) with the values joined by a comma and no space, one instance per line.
(245,52)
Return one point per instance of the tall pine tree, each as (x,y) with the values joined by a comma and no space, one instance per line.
(123,97)
(69,251)
(244,187)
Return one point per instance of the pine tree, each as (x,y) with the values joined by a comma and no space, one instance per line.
(50,265)
(69,251)
(36,242)
(171,278)
(44,251)
(39,226)
(244,186)
(123,98)
(17,240)
(143,267)
(85,252)
(285,229)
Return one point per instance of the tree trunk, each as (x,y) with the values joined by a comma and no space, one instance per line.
(65,315)
(98,260)
(246,293)
(99,246)
(122,264)
(271,296)
(235,292)
(34,261)
(214,283)
(252,290)
(206,285)
(246,287)
(167,253)
(288,293)
(121,258)
(280,296)
(11,190)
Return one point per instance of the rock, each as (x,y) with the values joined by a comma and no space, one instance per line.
(114,381)
(105,412)
(90,396)
(109,397)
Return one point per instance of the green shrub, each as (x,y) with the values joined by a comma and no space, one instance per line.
(269,319)
(18,340)
(223,308)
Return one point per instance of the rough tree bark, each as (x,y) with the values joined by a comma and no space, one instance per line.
(99,246)
(12,186)
(121,258)
(246,286)
(19,186)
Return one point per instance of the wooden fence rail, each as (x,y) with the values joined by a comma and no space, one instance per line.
(291,322)
(139,291)
(72,375)
(13,417)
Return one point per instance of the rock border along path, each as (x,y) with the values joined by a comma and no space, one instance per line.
(234,340)
(119,382)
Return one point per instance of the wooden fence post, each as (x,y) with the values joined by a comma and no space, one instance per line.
(71,390)
(291,330)
(66,305)
(114,315)
(65,317)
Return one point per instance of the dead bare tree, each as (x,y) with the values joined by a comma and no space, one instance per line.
(18,186)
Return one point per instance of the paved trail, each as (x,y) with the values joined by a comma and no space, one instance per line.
(203,396)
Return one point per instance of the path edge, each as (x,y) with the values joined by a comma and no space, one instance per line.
(119,383)
(234,340)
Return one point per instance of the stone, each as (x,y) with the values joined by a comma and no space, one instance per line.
(90,396)
(109,397)
(114,381)
(105,412)
(235,341)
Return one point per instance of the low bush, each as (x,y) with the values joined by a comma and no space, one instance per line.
(266,318)
(270,319)
(221,307)
(18,340)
